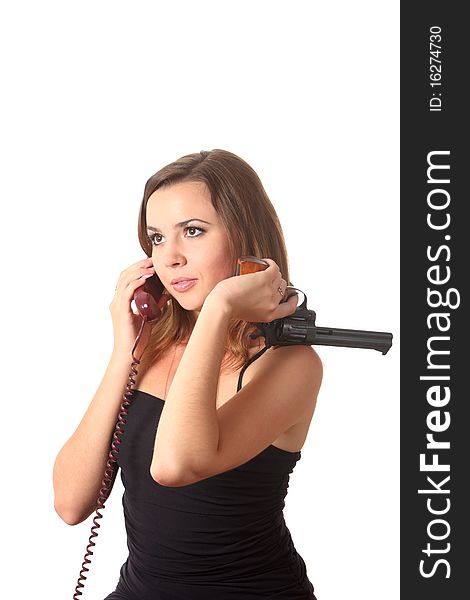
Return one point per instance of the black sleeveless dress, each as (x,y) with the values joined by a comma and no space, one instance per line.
(222,538)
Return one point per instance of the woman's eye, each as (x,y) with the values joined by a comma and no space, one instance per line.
(195,229)
(152,238)
(156,242)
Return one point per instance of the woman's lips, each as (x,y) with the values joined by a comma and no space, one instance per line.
(182,286)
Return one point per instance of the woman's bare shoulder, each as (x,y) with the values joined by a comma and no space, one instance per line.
(300,357)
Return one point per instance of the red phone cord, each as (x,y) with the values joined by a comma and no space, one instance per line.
(111,466)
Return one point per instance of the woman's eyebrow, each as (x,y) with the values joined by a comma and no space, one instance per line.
(182,224)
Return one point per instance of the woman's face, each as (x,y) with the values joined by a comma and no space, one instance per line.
(188,241)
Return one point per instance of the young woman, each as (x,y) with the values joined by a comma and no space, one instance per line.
(205,468)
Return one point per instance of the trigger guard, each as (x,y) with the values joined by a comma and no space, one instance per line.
(291,287)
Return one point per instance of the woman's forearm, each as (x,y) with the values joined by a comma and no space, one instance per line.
(188,432)
(79,466)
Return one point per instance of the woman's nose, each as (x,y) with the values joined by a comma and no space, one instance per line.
(172,255)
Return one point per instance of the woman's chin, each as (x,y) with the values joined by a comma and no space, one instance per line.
(194,306)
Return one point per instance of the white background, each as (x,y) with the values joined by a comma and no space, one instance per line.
(98,96)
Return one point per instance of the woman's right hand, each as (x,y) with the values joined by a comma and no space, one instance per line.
(126,324)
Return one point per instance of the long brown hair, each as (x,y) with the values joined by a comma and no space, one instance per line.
(253,228)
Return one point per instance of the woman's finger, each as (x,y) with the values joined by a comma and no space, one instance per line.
(272,265)
(290,305)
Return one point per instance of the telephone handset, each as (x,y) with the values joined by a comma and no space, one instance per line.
(148,298)
(298,328)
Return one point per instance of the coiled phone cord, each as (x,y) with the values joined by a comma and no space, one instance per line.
(112,465)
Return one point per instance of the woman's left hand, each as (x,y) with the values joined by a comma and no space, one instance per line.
(256,297)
